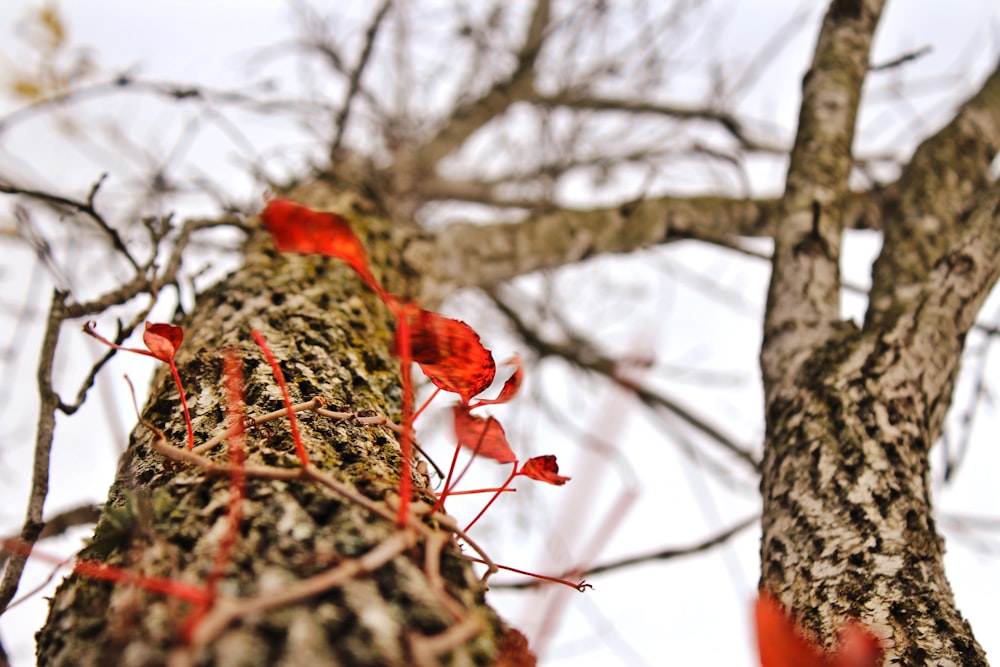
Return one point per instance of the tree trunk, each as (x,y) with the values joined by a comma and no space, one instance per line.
(848,528)
(332,338)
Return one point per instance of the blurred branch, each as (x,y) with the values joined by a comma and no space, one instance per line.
(727,121)
(669,553)
(466,119)
(910,56)
(938,187)
(554,238)
(540,177)
(127,83)
(58,524)
(584,356)
(354,81)
(677,552)
(86,207)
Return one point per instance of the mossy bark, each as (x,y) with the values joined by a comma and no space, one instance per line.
(333,339)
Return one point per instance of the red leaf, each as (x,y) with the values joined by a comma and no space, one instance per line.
(858,648)
(510,387)
(779,640)
(544,469)
(163,340)
(296,228)
(483,436)
(782,644)
(450,354)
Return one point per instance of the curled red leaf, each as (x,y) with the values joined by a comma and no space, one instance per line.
(782,644)
(450,353)
(163,340)
(484,436)
(544,469)
(510,387)
(297,228)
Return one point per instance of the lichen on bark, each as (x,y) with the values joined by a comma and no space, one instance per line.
(332,338)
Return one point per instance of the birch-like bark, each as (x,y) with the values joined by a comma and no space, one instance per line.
(848,528)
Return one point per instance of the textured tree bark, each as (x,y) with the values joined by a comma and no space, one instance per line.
(332,337)
(848,527)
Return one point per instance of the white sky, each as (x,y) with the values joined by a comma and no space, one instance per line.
(694,611)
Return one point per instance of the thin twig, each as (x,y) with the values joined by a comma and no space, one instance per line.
(907,57)
(597,363)
(661,554)
(354,81)
(48,404)
(86,207)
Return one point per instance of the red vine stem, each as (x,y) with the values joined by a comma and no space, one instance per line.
(582,586)
(403,344)
(280,377)
(510,478)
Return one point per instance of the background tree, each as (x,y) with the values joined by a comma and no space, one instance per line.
(539,130)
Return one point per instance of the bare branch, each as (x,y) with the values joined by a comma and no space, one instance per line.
(727,121)
(48,403)
(86,207)
(669,553)
(467,118)
(354,81)
(803,302)
(939,186)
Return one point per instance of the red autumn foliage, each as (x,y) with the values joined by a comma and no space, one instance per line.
(163,340)
(296,228)
(543,469)
(164,585)
(450,354)
(510,387)
(232,375)
(484,436)
(782,644)
(449,351)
